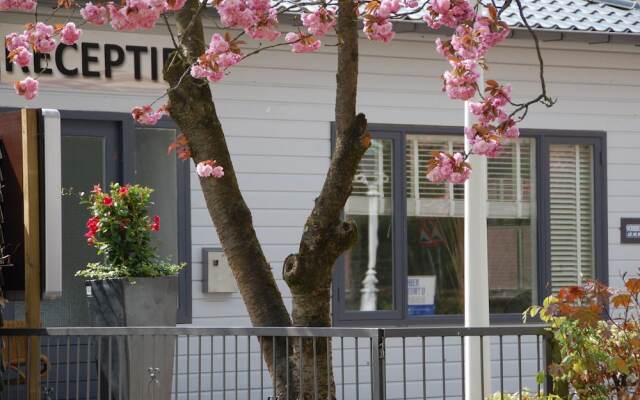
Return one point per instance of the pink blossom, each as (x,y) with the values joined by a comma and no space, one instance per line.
(319,22)
(489,148)
(95,14)
(449,13)
(460,82)
(199,72)
(234,13)
(218,172)
(22,5)
(411,3)
(267,26)
(388,7)
(208,168)
(381,30)
(145,115)
(491,31)
(441,168)
(28,88)
(218,44)
(461,170)
(220,55)
(14,40)
(21,56)
(301,43)
(70,34)
(508,128)
(41,36)
(228,59)
(258,19)
(136,14)
(204,170)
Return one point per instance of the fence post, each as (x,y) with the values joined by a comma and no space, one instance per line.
(378,383)
(552,355)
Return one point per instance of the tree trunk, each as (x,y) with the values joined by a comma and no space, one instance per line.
(326,236)
(191,106)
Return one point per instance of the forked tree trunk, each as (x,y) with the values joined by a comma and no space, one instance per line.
(191,107)
(326,236)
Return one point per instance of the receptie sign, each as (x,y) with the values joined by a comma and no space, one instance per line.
(629,230)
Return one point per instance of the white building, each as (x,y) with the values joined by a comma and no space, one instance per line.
(556,196)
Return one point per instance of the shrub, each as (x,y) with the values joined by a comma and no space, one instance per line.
(119,227)
(524,395)
(599,348)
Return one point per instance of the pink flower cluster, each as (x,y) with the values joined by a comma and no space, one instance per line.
(221,54)
(494,124)
(468,45)
(449,13)
(22,5)
(134,14)
(94,14)
(258,19)
(208,168)
(320,21)
(377,25)
(70,34)
(453,168)
(301,43)
(465,51)
(27,88)
(40,38)
(145,115)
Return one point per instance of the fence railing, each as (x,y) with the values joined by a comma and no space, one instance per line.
(229,363)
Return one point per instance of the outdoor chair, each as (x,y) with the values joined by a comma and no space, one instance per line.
(15,352)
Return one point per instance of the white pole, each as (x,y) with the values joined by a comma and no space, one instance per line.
(476,273)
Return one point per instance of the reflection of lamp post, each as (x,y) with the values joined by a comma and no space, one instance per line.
(375,190)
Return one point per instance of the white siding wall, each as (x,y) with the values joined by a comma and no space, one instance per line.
(277,108)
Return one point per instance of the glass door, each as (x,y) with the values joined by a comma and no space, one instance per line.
(90,155)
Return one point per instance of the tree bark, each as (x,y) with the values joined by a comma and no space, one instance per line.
(326,236)
(191,106)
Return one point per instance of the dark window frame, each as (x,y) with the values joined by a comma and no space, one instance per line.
(542,138)
(125,171)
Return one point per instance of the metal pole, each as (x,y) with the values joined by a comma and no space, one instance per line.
(476,270)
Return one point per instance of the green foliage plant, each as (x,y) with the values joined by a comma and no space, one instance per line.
(120,228)
(597,333)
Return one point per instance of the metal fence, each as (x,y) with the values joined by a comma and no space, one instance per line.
(228,363)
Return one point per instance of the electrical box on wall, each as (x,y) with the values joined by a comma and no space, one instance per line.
(216,273)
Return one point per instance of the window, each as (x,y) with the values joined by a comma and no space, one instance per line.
(407,264)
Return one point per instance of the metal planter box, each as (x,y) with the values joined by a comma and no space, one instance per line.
(135,367)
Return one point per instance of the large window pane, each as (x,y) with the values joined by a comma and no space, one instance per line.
(369,264)
(571,214)
(435,230)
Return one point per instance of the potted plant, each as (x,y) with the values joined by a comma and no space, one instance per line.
(131,286)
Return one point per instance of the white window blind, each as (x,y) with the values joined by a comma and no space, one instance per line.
(571,214)
(510,187)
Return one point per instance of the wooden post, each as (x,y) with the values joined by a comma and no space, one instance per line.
(30,191)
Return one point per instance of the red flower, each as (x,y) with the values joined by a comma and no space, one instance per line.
(123,191)
(107,201)
(156,224)
(92,226)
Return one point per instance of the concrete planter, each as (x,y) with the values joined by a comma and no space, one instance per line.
(139,302)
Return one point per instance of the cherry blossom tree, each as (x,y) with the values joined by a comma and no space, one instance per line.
(198,62)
